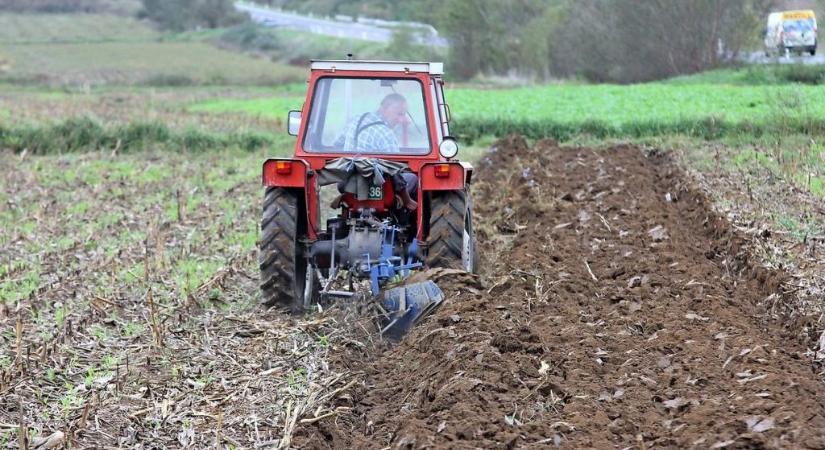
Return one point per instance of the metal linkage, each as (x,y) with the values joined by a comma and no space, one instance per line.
(389,265)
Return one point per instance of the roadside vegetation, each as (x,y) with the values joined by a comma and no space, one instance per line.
(181,15)
(298,48)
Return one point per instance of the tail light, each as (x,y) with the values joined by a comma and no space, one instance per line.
(283,167)
(442,171)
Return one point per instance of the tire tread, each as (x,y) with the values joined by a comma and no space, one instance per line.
(278,248)
(446,239)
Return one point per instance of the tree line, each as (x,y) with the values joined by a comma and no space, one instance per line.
(181,15)
(598,40)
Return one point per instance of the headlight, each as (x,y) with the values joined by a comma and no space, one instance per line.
(448,148)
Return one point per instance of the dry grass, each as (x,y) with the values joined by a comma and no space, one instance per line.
(93,50)
(16,29)
(159,63)
(764,197)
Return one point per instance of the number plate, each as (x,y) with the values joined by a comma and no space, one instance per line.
(376,193)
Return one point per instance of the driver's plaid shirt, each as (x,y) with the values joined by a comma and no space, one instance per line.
(375,135)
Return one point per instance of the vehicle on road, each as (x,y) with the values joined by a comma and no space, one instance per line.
(378,134)
(791,31)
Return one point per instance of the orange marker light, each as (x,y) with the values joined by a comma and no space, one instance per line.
(283,167)
(442,171)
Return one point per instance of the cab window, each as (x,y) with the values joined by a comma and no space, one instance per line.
(367,115)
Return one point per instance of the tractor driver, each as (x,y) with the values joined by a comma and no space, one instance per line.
(373,132)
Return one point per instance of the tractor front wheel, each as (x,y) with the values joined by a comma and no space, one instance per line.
(452,241)
(283,266)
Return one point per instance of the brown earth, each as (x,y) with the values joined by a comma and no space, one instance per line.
(619,312)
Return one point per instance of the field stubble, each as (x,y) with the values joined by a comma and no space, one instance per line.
(130,306)
(779,208)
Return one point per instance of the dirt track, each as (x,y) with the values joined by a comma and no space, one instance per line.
(618,311)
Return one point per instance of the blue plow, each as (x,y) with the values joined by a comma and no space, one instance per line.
(371,252)
(404,305)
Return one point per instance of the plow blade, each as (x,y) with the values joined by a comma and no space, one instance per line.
(406,305)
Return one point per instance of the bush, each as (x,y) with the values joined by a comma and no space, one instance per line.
(181,15)
(801,73)
(251,37)
(169,80)
(84,134)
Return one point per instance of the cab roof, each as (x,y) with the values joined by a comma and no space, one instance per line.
(433,68)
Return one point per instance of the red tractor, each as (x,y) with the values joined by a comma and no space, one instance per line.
(373,143)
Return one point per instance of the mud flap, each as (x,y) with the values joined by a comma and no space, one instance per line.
(406,305)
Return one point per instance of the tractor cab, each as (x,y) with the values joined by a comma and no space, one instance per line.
(349,103)
(374,189)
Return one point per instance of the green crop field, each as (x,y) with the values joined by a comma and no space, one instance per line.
(567,110)
(765,114)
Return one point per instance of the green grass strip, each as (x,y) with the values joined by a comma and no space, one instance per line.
(470,129)
(84,134)
(77,135)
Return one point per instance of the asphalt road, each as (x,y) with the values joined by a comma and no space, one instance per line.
(327,27)
(760,58)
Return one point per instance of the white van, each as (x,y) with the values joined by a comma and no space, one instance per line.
(793,31)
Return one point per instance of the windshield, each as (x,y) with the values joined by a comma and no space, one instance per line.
(801,25)
(367,115)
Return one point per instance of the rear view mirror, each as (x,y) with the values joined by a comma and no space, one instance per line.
(293,124)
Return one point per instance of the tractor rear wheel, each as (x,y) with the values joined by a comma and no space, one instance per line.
(283,266)
(452,241)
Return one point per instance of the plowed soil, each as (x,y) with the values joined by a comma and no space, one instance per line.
(618,311)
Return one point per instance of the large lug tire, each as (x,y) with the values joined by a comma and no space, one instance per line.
(283,266)
(452,241)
